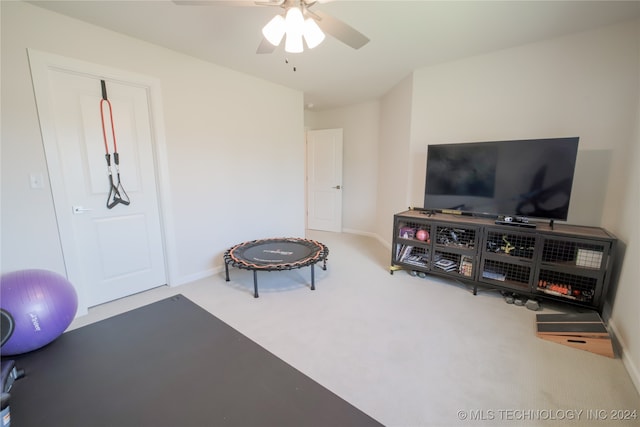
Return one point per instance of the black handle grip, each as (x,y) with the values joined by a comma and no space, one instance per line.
(104,89)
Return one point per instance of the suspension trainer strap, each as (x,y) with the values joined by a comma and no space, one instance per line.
(117,194)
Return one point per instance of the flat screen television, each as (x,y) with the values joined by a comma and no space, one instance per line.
(523,178)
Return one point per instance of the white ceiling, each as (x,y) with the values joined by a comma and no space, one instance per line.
(405,35)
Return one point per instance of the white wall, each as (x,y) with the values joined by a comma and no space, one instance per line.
(395,157)
(229,155)
(376,158)
(360,160)
(584,85)
(625,316)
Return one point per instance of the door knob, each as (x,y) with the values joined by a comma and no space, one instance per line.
(80,210)
(337,187)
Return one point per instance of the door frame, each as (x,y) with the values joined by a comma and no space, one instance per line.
(40,64)
(308,157)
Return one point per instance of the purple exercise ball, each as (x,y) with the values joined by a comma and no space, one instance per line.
(36,307)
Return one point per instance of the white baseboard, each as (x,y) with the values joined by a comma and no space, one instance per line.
(632,369)
(359,232)
(183,280)
(368,234)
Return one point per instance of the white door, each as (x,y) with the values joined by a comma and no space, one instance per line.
(324,179)
(109,253)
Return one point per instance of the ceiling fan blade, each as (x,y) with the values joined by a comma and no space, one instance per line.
(269,2)
(341,31)
(242,3)
(265,47)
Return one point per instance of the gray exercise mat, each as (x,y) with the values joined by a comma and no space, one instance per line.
(170,363)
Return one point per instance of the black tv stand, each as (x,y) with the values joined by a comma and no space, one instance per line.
(427,212)
(516,224)
(515,221)
(521,223)
(566,263)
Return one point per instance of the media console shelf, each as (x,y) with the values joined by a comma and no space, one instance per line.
(565,263)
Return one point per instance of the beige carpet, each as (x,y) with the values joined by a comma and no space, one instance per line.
(411,351)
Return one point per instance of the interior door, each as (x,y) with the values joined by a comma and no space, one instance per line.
(324,179)
(109,253)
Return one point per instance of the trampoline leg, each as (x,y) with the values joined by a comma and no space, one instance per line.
(255,283)
(226,271)
(313,282)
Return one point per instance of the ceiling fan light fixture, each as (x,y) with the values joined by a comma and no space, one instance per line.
(294,20)
(274,30)
(295,28)
(313,35)
(293,43)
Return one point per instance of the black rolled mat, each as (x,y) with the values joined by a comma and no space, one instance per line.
(170,363)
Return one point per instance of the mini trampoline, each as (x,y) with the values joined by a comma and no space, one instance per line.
(275,254)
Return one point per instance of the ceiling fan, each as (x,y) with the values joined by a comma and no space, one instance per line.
(296,22)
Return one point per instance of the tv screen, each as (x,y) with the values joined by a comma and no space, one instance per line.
(525,178)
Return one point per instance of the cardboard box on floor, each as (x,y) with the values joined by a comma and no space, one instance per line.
(584,331)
